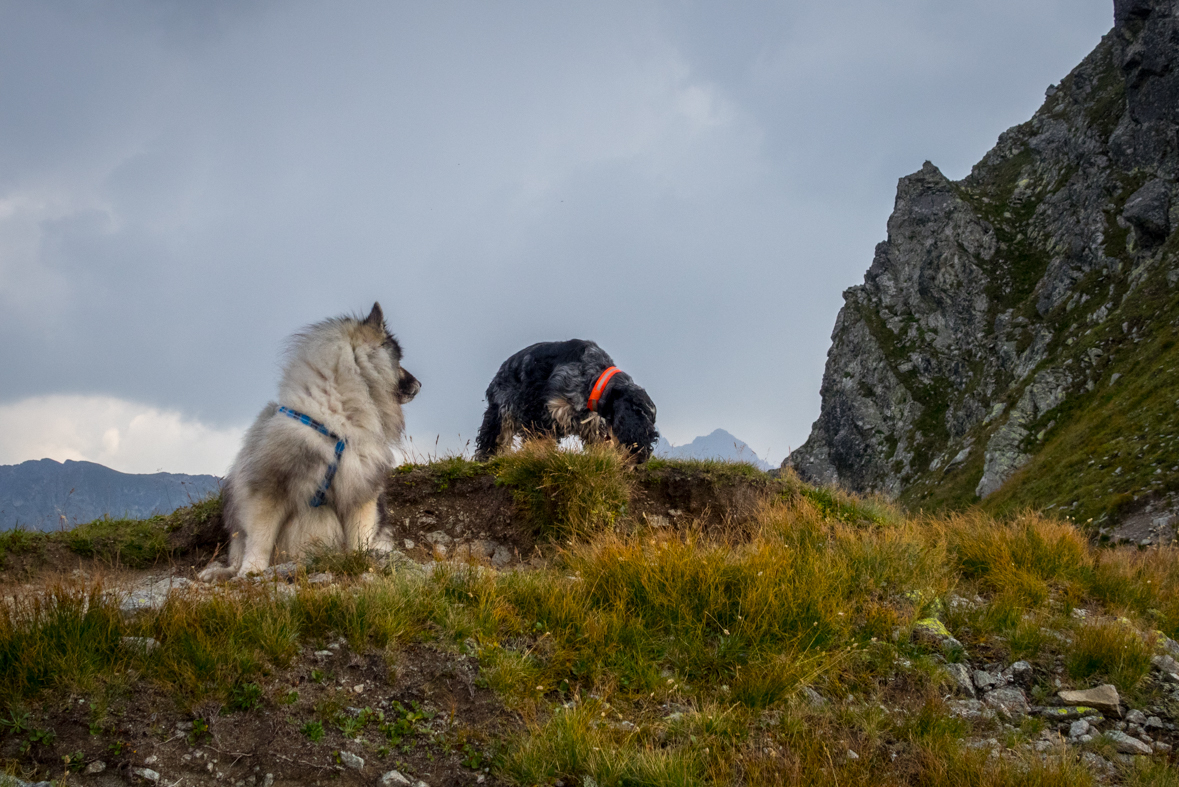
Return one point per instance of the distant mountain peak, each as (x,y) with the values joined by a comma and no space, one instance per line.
(44,494)
(717,444)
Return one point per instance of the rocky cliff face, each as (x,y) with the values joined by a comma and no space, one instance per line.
(1014,337)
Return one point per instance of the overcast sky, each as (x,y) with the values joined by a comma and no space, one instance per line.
(692,185)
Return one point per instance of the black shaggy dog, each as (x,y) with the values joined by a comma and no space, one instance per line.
(562,389)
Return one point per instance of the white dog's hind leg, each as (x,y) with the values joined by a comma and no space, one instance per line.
(360,527)
(261,520)
(216,572)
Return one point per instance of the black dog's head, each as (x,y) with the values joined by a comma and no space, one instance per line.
(632,419)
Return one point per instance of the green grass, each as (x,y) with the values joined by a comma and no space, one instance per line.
(834,503)
(1129,425)
(130,543)
(445,472)
(19,541)
(714,470)
(1111,651)
(134,543)
(655,656)
(567,494)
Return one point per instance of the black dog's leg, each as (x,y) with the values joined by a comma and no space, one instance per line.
(488,439)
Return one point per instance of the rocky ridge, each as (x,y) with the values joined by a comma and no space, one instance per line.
(1021,322)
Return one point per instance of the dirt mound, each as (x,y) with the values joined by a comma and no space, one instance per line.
(448,510)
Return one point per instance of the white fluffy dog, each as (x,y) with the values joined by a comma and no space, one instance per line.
(313,466)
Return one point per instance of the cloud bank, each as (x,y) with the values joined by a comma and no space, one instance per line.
(692,185)
(125,436)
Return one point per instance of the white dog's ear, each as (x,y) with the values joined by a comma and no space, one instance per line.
(376,317)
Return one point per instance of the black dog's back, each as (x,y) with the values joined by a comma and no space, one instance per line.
(531,369)
(521,388)
(545,387)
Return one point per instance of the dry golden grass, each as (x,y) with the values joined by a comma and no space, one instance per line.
(653,656)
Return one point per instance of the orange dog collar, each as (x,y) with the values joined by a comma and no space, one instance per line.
(600,386)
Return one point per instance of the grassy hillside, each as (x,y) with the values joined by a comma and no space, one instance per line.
(805,639)
(1103,453)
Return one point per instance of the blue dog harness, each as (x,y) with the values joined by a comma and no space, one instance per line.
(341,443)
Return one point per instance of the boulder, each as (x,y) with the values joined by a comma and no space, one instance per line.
(351,760)
(1126,744)
(1009,702)
(1148,209)
(962,680)
(1104,698)
(932,632)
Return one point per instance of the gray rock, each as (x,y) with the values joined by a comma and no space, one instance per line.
(1165,664)
(1135,717)
(1104,698)
(351,760)
(1009,702)
(971,710)
(150,593)
(984,681)
(1148,209)
(813,698)
(501,557)
(933,632)
(147,774)
(1020,673)
(282,571)
(962,681)
(268,780)
(1098,764)
(394,779)
(1171,646)
(139,644)
(1126,744)
(1078,728)
(98,766)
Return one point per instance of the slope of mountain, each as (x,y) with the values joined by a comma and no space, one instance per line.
(47,495)
(717,445)
(1014,340)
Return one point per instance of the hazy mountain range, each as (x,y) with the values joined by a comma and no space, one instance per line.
(48,495)
(718,445)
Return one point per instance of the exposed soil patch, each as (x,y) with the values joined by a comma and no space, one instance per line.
(1152,521)
(424,714)
(466,518)
(710,499)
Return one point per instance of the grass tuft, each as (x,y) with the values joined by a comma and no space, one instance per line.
(567,494)
(1109,650)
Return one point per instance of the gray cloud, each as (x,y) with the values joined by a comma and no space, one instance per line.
(692,185)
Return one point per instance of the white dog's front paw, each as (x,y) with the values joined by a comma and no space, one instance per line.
(382,544)
(216,572)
